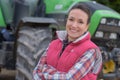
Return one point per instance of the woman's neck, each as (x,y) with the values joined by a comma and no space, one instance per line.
(73,39)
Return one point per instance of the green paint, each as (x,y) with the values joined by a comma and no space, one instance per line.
(2,22)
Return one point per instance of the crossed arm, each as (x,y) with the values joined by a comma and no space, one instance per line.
(46,72)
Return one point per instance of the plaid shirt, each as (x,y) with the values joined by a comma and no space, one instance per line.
(90,62)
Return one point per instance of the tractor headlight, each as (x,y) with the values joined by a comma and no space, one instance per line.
(99,34)
(113,36)
(103,20)
(119,23)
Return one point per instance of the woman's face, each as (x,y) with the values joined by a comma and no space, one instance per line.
(76,24)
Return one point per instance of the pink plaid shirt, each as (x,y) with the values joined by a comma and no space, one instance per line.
(84,65)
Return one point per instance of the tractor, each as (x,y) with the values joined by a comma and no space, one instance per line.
(27,27)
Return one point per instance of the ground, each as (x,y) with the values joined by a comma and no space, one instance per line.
(10,75)
(7,74)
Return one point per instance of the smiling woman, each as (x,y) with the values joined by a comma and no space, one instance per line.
(77,23)
(75,57)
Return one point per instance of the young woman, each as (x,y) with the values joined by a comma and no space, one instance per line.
(73,56)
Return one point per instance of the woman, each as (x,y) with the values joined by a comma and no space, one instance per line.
(73,56)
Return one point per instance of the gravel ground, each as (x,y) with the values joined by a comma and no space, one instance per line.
(10,75)
(7,74)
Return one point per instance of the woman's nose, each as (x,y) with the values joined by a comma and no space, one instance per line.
(74,24)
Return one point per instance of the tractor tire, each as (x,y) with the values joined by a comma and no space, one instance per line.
(31,44)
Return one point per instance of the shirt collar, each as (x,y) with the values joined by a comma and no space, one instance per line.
(62,35)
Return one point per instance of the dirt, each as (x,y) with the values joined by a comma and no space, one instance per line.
(7,74)
(10,75)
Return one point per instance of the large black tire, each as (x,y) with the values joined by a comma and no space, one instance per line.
(32,42)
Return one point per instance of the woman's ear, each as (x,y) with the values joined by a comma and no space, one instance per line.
(87,27)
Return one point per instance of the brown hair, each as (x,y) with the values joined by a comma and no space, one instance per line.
(83,8)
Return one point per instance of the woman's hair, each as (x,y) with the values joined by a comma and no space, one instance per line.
(83,8)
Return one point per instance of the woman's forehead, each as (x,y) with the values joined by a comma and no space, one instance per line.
(77,13)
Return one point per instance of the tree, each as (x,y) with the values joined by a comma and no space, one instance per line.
(114,4)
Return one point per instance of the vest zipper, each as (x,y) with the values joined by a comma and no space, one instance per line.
(64,45)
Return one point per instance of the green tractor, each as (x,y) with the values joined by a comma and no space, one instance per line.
(27,27)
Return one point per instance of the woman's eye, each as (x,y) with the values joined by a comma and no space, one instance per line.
(80,22)
(70,19)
